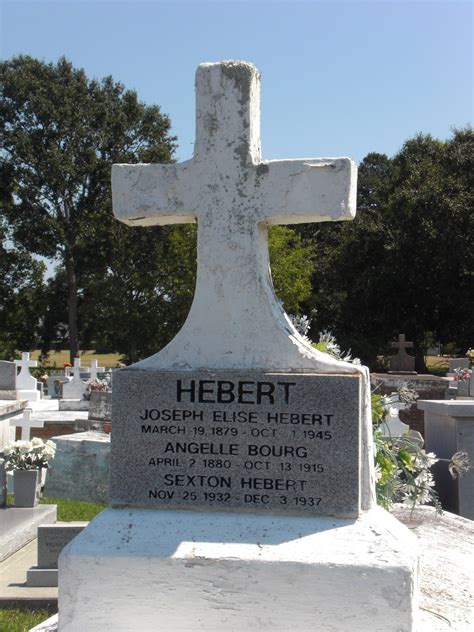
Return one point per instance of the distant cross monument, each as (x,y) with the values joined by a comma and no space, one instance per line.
(95,369)
(26,384)
(402,362)
(26,424)
(235,197)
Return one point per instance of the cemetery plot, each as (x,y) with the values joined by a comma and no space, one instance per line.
(240,441)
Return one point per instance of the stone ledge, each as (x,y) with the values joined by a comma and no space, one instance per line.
(19,526)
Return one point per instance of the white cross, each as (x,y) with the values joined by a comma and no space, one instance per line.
(235,319)
(95,369)
(24,380)
(26,424)
(77,369)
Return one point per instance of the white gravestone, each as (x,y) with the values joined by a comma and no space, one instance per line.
(234,569)
(77,387)
(26,384)
(26,424)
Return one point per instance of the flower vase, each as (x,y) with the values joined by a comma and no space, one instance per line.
(26,487)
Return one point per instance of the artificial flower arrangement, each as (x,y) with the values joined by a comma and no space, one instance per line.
(28,455)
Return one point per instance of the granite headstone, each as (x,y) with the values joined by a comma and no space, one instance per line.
(245,441)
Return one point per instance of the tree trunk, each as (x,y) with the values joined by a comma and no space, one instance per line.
(72,306)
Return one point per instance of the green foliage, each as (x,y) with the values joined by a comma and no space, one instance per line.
(61,133)
(22,298)
(292,264)
(74,510)
(405,263)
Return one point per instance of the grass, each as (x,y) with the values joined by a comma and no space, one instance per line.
(70,510)
(74,510)
(58,358)
(17,620)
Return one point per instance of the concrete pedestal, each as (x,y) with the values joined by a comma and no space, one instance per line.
(20,526)
(228,571)
(449,428)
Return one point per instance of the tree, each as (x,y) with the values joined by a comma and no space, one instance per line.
(22,299)
(405,264)
(61,133)
(292,265)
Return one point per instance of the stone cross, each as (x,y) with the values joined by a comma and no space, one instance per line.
(234,195)
(77,369)
(402,361)
(26,424)
(95,369)
(24,380)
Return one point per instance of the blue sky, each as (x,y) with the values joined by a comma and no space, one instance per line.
(338,78)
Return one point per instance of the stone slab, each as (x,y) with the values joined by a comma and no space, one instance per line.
(80,468)
(73,404)
(19,526)
(448,408)
(251,441)
(238,572)
(47,577)
(52,538)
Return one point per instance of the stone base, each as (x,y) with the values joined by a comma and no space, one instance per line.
(36,576)
(19,526)
(185,570)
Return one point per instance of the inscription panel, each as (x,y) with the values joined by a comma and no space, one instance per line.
(242,441)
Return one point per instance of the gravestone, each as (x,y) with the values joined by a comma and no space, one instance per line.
(76,388)
(52,538)
(266,440)
(402,362)
(7,380)
(26,384)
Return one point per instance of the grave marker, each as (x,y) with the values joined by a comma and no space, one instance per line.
(26,384)
(95,369)
(26,423)
(76,388)
(402,362)
(238,404)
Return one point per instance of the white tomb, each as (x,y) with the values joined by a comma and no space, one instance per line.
(199,570)
(26,384)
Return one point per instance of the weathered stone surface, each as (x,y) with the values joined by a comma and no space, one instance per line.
(247,441)
(100,405)
(80,468)
(234,572)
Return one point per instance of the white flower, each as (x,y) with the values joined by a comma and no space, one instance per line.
(25,447)
(37,442)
